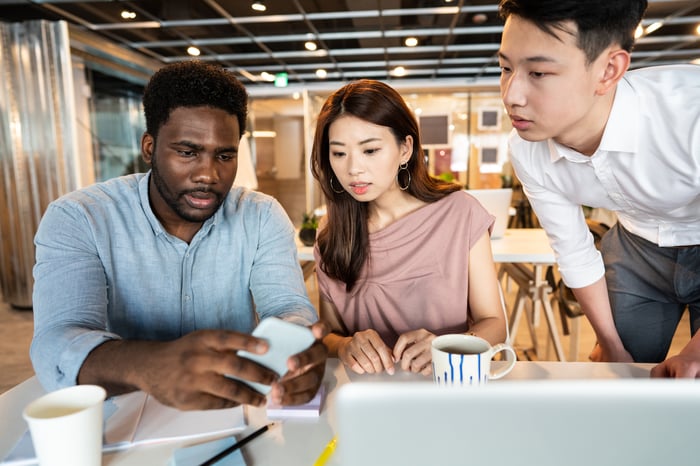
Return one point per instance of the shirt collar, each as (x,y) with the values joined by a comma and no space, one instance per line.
(621,131)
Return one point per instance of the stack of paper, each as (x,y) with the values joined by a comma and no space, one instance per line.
(312,409)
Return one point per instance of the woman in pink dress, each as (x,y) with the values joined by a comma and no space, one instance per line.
(401,256)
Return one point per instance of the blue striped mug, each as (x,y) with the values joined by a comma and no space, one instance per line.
(465,360)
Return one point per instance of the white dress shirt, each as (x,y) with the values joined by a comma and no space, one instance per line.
(646,169)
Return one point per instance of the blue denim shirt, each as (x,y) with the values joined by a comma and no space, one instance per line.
(106,269)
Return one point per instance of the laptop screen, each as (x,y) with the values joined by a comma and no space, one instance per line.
(497,202)
(543,423)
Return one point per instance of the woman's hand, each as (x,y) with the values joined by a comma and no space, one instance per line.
(366,352)
(413,351)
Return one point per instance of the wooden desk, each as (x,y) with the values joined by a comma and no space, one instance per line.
(298,442)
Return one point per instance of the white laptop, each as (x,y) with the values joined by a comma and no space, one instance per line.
(529,423)
(497,202)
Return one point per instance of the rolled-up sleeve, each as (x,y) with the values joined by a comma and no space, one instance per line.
(69,298)
(277,282)
(580,263)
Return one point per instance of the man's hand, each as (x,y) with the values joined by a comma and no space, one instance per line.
(678,366)
(599,354)
(188,373)
(306,370)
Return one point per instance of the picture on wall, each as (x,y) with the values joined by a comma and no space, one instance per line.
(489,119)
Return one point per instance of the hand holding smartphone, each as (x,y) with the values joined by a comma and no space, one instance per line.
(285,339)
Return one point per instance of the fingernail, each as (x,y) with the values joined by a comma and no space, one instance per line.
(390,370)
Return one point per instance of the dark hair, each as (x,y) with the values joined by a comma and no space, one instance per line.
(600,23)
(192,84)
(344,241)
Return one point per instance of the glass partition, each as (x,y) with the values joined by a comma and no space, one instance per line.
(464,132)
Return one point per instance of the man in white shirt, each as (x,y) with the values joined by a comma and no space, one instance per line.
(588,132)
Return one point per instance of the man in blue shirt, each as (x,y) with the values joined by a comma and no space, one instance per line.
(154,281)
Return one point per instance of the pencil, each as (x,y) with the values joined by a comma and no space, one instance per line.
(326,453)
(237,445)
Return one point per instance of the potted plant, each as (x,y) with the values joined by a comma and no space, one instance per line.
(307,233)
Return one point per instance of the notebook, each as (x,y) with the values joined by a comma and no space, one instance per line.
(544,423)
(497,202)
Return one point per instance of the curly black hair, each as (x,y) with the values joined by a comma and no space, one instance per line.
(192,84)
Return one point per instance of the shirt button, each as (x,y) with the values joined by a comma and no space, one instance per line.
(187,297)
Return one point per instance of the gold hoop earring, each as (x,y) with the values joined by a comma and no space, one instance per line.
(402,167)
(334,190)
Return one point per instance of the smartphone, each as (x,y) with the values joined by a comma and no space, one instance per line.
(284,339)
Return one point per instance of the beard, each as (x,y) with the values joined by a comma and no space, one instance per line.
(175,201)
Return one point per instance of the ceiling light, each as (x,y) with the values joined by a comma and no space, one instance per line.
(411,41)
(126,14)
(310,45)
(653,27)
(697,30)
(192,50)
(399,71)
(267,76)
(258,6)
(321,73)
(479,18)
(639,32)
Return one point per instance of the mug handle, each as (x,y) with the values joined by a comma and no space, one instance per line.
(510,358)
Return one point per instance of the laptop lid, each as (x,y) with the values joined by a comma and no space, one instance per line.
(542,423)
(497,202)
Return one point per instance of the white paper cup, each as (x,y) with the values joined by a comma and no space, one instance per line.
(66,426)
(465,360)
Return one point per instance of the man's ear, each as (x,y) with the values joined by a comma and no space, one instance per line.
(615,66)
(148,145)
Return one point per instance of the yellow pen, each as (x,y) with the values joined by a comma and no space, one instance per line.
(326,453)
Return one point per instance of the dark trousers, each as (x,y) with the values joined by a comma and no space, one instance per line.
(650,287)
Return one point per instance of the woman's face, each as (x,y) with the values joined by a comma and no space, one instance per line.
(365,158)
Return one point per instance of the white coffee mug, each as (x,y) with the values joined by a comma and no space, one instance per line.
(66,426)
(465,360)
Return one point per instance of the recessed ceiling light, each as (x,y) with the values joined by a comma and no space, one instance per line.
(321,73)
(258,6)
(479,18)
(267,76)
(411,41)
(192,50)
(126,14)
(399,71)
(310,45)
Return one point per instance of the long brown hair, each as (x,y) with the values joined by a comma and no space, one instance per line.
(344,242)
